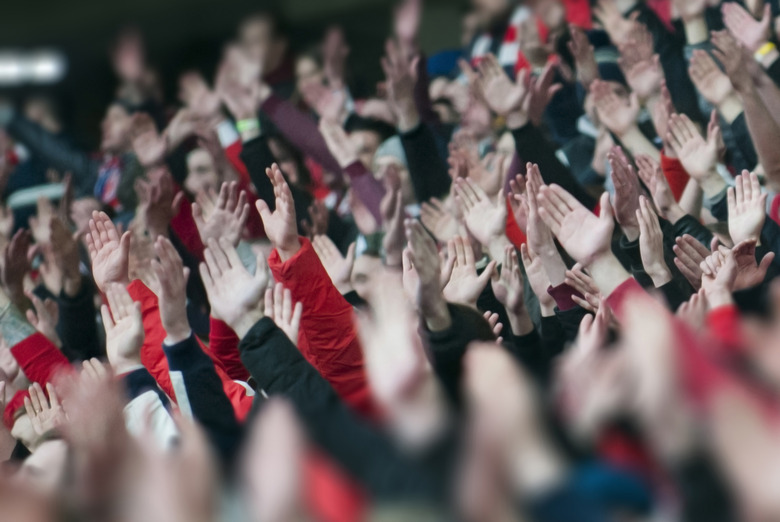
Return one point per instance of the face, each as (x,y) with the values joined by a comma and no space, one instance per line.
(364,275)
(366,143)
(44,469)
(116,129)
(307,71)
(202,174)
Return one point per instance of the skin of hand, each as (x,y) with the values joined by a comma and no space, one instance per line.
(747,208)
(500,93)
(172,275)
(45,317)
(584,57)
(751,33)
(124,329)
(584,284)
(64,252)
(652,176)
(339,144)
(280,308)
(280,225)
(338,267)
(439,220)
(508,289)
(401,76)
(46,414)
(16,265)
(422,277)
(697,155)
(158,203)
(485,219)
(627,189)
(222,215)
(540,239)
(108,251)
(39,223)
(148,145)
(651,244)
(617,114)
(537,278)
(393,215)
(236,297)
(465,285)
(711,82)
(690,254)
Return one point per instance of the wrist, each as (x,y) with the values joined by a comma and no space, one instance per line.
(546,305)
(718,296)
(631,231)
(176,333)
(659,273)
(408,117)
(516,119)
(289,248)
(245,322)
(520,322)
(696,30)
(434,311)
(730,108)
(125,365)
(71,285)
(712,184)
(607,272)
(674,213)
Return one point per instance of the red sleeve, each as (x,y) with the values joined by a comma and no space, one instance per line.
(723,324)
(514,233)
(39,359)
(328,337)
(183,224)
(153,356)
(702,377)
(223,346)
(233,154)
(578,13)
(675,174)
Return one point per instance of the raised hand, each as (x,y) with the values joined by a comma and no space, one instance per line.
(406,23)
(64,252)
(334,57)
(158,202)
(149,145)
(710,81)
(485,219)
(618,114)
(393,215)
(401,76)
(338,267)
(328,103)
(41,221)
(652,176)
(627,190)
(578,279)
(538,279)
(747,207)
(651,244)
(495,325)
(641,67)
(501,94)
(45,317)
(751,33)
(124,329)
(225,217)
(172,275)
(465,285)
(424,278)
(280,308)
(508,287)
(689,256)
(280,225)
(749,272)
(108,251)
(583,235)
(339,144)
(319,217)
(235,295)
(584,57)
(195,93)
(611,19)
(698,157)
(238,84)
(16,265)
(541,92)
(46,414)
(729,53)
(439,220)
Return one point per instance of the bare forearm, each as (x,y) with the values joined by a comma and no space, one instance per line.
(764,131)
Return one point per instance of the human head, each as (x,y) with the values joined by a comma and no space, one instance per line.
(263,37)
(202,173)
(115,128)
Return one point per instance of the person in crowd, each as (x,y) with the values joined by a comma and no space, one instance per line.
(531,279)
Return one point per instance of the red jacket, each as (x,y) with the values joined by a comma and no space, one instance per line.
(328,338)
(153,357)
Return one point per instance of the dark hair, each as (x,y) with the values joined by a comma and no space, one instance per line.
(359,123)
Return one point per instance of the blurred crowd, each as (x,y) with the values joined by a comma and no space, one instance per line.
(528,278)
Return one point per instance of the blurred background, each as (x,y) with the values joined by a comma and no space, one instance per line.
(181,35)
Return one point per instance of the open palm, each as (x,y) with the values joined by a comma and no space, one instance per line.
(108,250)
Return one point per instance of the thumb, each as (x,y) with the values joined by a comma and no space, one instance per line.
(263,210)
(351,253)
(766,261)
(607,212)
(485,276)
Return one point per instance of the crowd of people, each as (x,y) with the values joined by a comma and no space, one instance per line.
(531,278)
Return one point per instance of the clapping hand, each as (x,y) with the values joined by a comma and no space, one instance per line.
(108,251)
(46,414)
(338,267)
(465,285)
(280,225)
(651,244)
(279,306)
(172,275)
(747,208)
(225,217)
(124,329)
